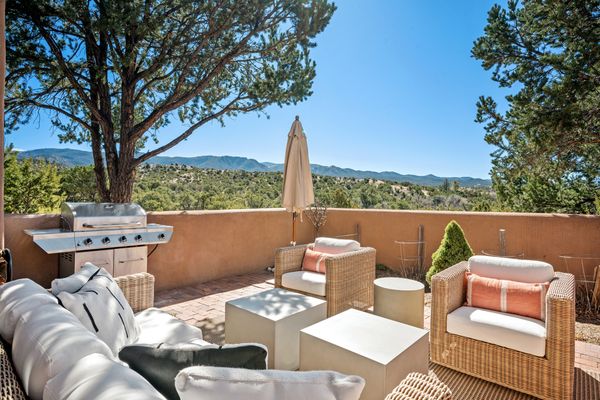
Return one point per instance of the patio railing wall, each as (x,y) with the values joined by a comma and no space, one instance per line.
(208,245)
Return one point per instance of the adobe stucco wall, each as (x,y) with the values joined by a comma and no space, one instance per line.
(208,245)
(539,236)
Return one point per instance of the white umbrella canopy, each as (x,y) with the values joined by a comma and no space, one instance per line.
(297,179)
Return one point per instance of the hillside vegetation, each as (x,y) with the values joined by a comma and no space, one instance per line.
(177,187)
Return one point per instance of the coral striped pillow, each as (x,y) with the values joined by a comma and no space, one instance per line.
(314,261)
(526,299)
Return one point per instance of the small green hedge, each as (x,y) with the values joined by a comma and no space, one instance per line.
(453,249)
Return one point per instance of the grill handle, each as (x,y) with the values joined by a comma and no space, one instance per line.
(132,260)
(123,225)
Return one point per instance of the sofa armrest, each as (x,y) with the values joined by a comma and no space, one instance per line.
(349,279)
(10,385)
(447,294)
(560,317)
(138,290)
(288,259)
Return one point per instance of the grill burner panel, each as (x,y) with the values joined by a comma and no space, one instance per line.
(98,226)
(54,241)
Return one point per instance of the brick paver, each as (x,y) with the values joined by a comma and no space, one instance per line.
(203,305)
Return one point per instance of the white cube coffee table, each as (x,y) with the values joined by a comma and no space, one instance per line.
(380,350)
(274,318)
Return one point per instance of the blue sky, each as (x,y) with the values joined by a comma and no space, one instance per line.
(395,90)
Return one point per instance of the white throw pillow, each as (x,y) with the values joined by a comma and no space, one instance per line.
(102,308)
(335,246)
(511,269)
(218,383)
(49,340)
(16,298)
(157,326)
(76,281)
(99,378)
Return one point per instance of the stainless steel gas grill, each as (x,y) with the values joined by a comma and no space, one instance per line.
(111,235)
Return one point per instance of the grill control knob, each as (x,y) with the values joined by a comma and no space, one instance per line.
(87,241)
(123,239)
(161,236)
(138,238)
(106,240)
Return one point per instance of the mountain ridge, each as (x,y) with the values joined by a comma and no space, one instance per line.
(72,157)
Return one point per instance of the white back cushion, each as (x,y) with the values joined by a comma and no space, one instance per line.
(102,308)
(49,340)
(99,378)
(335,246)
(74,282)
(218,383)
(512,269)
(16,298)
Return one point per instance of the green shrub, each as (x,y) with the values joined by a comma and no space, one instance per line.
(453,249)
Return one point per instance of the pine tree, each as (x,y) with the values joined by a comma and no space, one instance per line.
(453,249)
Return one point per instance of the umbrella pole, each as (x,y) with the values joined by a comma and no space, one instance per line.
(293,243)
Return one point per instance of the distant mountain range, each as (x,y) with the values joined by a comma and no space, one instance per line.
(70,158)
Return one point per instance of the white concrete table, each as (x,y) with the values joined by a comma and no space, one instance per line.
(400,299)
(378,349)
(274,318)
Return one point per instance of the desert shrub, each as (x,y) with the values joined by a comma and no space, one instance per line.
(453,249)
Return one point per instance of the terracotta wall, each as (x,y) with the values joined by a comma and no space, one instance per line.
(537,236)
(208,245)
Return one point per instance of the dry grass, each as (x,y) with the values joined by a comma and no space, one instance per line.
(587,325)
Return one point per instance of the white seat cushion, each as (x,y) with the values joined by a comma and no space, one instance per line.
(157,326)
(335,246)
(507,330)
(96,377)
(511,269)
(48,341)
(217,383)
(305,281)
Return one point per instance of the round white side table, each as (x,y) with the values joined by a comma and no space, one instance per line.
(400,299)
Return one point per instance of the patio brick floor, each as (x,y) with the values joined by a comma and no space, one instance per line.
(203,305)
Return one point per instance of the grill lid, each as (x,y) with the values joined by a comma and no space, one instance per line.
(85,216)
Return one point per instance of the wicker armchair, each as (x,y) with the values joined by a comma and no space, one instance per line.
(348,279)
(548,377)
(139,292)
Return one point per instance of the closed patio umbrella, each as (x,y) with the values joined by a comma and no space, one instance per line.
(297,178)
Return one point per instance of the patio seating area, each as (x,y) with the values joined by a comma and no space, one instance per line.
(203,305)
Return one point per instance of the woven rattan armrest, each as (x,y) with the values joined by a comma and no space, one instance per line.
(138,290)
(447,293)
(10,386)
(560,317)
(417,386)
(288,259)
(349,280)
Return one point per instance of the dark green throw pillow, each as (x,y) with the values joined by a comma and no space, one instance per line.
(159,364)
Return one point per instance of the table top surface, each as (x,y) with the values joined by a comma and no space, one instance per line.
(401,284)
(276,304)
(377,338)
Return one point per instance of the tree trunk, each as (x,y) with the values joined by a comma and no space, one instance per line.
(121,187)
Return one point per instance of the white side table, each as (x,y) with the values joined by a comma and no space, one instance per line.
(274,318)
(400,299)
(378,349)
